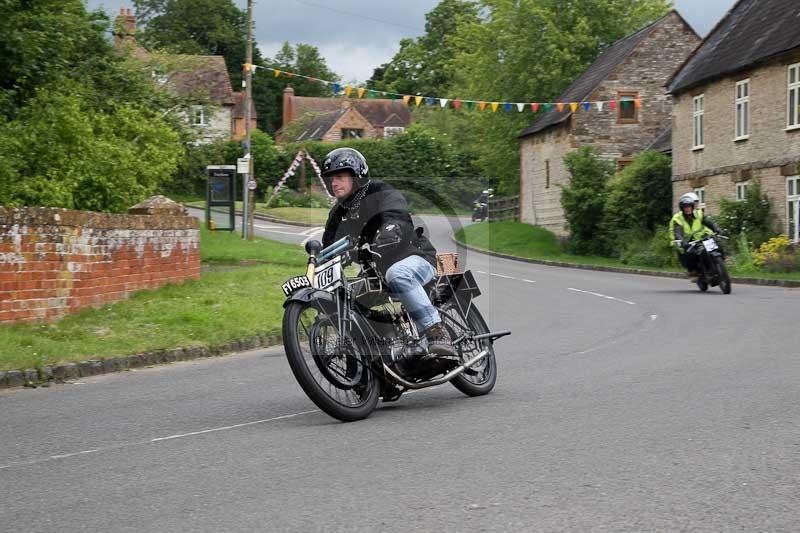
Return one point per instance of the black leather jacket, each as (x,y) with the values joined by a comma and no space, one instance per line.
(381,204)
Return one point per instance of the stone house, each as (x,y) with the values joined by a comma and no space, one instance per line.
(332,119)
(213,110)
(633,74)
(736,115)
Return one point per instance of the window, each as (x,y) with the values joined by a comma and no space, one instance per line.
(741,190)
(698,118)
(546,173)
(349,133)
(793,208)
(793,97)
(160,77)
(623,162)
(199,116)
(742,110)
(627,111)
(391,131)
(701,193)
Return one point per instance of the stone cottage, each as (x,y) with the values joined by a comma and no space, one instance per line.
(736,115)
(332,119)
(633,73)
(213,110)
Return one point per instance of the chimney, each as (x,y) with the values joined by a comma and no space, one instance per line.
(288,95)
(125,27)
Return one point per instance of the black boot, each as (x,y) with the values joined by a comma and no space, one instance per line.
(439,341)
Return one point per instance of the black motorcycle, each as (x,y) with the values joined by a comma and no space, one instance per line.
(350,343)
(480,211)
(710,261)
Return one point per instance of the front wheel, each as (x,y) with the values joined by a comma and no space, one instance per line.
(481,377)
(333,370)
(724,278)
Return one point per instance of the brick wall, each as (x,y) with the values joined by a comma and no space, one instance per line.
(352,120)
(56,261)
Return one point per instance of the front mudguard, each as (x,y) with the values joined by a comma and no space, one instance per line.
(310,294)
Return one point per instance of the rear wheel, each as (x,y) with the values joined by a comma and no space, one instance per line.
(724,278)
(481,377)
(333,370)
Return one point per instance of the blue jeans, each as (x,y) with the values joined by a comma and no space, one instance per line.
(406,279)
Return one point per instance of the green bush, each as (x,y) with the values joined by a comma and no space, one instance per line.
(583,200)
(749,216)
(290,198)
(655,251)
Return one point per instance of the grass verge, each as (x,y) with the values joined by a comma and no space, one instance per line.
(531,242)
(311,215)
(222,306)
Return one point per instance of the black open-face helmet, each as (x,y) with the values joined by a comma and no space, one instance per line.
(345,159)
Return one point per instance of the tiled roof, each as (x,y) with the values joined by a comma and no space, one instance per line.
(320,125)
(377,111)
(587,82)
(203,77)
(752,31)
(663,142)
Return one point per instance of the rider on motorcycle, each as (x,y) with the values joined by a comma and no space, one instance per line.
(375,213)
(690,224)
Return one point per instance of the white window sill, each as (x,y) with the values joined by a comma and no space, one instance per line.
(793,128)
(739,139)
(696,148)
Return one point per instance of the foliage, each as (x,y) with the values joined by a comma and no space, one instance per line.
(404,160)
(772,251)
(749,216)
(583,200)
(424,65)
(290,198)
(743,260)
(652,251)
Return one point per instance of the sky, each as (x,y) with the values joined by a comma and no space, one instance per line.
(355,36)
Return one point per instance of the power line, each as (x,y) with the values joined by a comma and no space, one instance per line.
(358,15)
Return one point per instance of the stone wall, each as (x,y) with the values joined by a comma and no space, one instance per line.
(57,261)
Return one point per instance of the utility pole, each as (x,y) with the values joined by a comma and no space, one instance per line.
(247,212)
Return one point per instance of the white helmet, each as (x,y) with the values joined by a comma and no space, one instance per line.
(689,198)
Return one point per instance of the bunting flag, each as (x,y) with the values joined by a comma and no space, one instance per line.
(457,103)
(292,170)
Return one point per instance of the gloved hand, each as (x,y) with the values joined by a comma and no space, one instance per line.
(390,234)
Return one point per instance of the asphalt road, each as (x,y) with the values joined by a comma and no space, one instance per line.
(623,403)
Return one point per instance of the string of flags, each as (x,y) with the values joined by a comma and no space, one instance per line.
(298,159)
(349,91)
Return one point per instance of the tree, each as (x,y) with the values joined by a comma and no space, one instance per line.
(583,200)
(528,51)
(424,65)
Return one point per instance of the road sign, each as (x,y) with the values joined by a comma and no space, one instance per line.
(251,185)
(243,165)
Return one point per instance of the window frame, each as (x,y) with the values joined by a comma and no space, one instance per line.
(698,116)
(625,96)
(201,110)
(793,113)
(701,193)
(623,162)
(742,98)
(391,131)
(741,190)
(793,208)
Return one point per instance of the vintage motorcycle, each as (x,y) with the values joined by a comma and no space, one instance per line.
(710,259)
(480,211)
(349,342)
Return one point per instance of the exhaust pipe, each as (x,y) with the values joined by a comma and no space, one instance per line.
(444,379)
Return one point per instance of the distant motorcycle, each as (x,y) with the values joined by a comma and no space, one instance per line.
(350,343)
(480,211)
(710,259)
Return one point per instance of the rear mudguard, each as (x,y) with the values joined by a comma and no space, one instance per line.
(309,294)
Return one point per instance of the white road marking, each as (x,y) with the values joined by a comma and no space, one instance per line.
(224,428)
(601,296)
(653,317)
(503,276)
(313,230)
(71,454)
